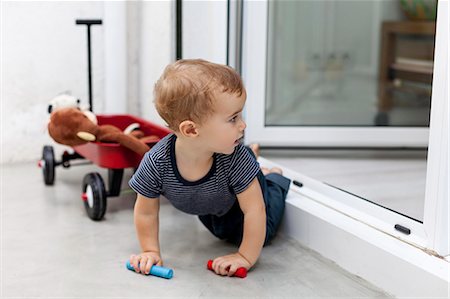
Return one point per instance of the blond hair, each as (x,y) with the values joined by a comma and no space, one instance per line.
(186,90)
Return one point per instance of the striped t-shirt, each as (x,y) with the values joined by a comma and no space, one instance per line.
(214,194)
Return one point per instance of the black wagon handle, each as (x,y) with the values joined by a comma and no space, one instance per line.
(88,23)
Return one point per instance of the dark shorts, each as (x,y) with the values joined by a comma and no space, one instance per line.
(230,226)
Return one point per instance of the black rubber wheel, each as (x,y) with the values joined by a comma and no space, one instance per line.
(48,165)
(94,196)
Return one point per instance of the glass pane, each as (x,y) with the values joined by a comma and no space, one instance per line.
(394,179)
(348,63)
(355,63)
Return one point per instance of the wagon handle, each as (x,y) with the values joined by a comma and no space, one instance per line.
(88,24)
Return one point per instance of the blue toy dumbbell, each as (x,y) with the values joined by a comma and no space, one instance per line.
(156,271)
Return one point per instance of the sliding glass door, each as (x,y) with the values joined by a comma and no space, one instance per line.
(330,72)
(356,74)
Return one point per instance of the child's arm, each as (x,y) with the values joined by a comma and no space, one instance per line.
(146,220)
(251,202)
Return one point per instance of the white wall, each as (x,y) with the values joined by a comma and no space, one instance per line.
(115,28)
(44,54)
(205,30)
(157,50)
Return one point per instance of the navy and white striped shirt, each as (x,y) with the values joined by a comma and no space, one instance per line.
(214,194)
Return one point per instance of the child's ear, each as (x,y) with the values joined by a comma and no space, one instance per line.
(188,128)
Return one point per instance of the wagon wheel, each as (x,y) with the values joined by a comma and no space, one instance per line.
(47,163)
(94,196)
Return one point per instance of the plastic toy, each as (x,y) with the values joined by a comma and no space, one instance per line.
(156,271)
(112,156)
(240,272)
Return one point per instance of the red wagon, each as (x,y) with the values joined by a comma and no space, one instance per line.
(112,156)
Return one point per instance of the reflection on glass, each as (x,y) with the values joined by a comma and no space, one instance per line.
(394,179)
(355,63)
(348,63)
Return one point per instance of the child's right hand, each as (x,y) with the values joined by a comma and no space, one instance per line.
(145,260)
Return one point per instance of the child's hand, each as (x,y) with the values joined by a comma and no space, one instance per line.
(144,261)
(228,264)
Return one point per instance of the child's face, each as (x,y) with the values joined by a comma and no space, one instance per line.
(221,131)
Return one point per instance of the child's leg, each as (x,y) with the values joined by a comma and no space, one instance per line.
(227,227)
(275,199)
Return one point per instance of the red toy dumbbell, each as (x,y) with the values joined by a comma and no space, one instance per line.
(240,272)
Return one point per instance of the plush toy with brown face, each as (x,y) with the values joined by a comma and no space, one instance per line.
(70,126)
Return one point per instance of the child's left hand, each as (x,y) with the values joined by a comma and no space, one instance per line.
(228,264)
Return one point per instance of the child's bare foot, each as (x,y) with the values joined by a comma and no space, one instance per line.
(266,170)
(276,170)
(255,149)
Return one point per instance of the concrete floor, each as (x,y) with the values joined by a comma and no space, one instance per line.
(50,248)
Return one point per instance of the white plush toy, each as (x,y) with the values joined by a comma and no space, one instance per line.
(63,101)
(68,101)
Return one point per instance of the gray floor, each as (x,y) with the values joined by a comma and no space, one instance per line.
(50,248)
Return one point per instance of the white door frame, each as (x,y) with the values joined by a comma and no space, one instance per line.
(436,210)
(431,235)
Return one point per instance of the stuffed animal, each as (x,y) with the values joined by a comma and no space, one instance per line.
(70,126)
(68,101)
